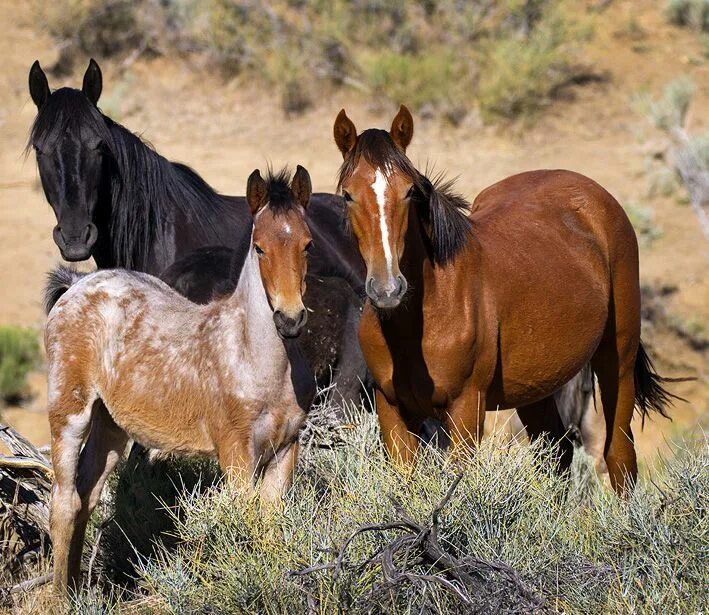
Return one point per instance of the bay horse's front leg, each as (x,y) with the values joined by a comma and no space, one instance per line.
(399,432)
(465,420)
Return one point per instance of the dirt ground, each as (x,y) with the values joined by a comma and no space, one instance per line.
(225,130)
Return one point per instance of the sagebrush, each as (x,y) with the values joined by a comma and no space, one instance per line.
(19,354)
(509,58)
(524,535)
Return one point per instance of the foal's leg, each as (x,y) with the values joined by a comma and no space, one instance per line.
(236,457)
(542,419)
(278,475)
(69,427)
(399,435)
(103,450)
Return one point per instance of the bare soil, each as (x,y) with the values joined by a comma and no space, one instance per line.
(226,129)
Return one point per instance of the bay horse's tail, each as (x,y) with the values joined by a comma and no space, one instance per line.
(650,394)
(58,282)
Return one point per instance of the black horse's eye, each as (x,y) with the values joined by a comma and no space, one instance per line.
(308,247)
(259,251)
(348,196)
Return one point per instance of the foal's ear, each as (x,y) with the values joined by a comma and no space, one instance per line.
(256,192)
(402,128)
(301,186)
(93,82)
(39,86)
(345,133)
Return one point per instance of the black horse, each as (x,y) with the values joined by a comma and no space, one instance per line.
(118,200)
(329,341)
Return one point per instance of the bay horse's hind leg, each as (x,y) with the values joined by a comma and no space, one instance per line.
(103,449)
(542,420)
(614,366)
(614,369)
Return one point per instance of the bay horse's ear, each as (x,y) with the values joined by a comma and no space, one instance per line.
(301,186)
(402,128)
(256,192)
(345,133)
(93,82)
(39,86)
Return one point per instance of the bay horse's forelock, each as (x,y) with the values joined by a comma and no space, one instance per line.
(129,357)
(542,278)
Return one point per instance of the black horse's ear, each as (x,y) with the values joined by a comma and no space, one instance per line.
(345,133)
(402,128)
(39,86)
(256,192)
(301,186)
(93,82)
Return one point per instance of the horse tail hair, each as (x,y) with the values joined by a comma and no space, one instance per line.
(58,282)
(650,394)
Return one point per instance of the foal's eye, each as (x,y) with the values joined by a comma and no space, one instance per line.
(348,196)
(259,251)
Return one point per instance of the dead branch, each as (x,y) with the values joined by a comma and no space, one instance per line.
(417,556)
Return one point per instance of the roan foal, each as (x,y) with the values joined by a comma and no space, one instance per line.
(128,357)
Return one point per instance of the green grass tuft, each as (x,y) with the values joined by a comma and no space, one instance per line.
(19,354)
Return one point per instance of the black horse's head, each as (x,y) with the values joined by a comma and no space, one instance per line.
(71,140)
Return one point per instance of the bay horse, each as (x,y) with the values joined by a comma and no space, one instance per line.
(493,306)
(117,200)
(128,357)
(328,340)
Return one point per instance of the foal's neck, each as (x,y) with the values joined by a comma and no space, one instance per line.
(250,296)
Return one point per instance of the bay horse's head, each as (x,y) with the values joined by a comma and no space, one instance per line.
(381,186)
(70,138)
(281,239)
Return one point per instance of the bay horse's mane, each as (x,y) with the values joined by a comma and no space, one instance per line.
(146,188)
(442,210)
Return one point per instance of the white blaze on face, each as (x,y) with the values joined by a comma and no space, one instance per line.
(379,186)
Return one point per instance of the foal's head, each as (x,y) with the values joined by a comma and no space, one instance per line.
(70,138)
(281,239)
(380,186)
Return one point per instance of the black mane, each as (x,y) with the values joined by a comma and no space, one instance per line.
(146,189)
(441,209)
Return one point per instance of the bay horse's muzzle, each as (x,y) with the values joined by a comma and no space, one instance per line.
(290,326)
(389,294)
(76,246)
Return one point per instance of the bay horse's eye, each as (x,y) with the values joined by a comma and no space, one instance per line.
(410,192)
(259,251)
(308,247)
(348,196)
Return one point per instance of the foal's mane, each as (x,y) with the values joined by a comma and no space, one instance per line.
(441,209)
(280,197)
(146,188)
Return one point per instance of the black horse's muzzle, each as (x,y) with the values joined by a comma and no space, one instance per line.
(76,246)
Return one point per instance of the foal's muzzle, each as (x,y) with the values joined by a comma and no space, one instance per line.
(290,326)
(76,246)
(387,295)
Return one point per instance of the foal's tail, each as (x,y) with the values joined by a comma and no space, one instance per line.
(650,394)
(58,282)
